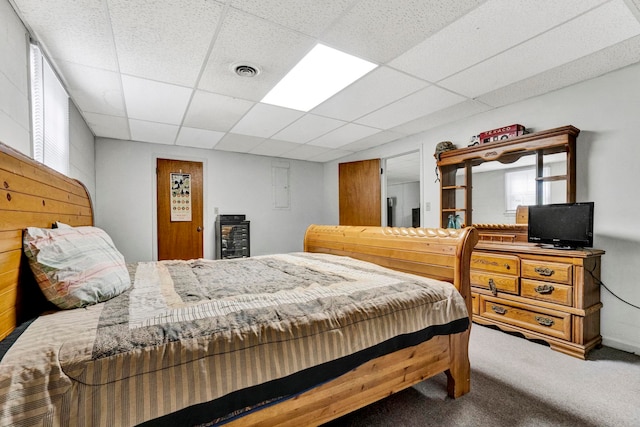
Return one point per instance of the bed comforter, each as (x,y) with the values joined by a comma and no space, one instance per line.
(194,340)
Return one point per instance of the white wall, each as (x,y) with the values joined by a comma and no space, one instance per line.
(15,115)
(234,183)
(607,110)
(15,119)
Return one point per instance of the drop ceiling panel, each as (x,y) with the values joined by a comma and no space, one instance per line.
(245,38)
(238,143)
(330,155)
(266,120)
(273,147)
(446,115)
(486,31)
(380,30)
(305,152)
(344,135)
(108,126)
(105,94)
(373,141)
(375,90)
(306,16)
(198,138)
(308,127)
(76,31)
(600,28)
(215,112)
(151,40)
(587,67)
(159,133)
(154,101)
(421,103)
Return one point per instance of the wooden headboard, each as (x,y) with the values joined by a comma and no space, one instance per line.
(33,196)
(442,254)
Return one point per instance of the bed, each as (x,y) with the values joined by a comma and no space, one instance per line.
(365,312)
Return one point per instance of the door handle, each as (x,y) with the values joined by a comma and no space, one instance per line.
(199,229)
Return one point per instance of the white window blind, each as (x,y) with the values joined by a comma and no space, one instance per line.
(50,114)
(520,188)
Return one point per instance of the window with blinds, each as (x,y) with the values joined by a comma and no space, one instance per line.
(49,114)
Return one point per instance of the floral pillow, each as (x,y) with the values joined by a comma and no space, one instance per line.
(75,266)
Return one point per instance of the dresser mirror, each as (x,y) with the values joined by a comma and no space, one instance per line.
(499,188)
(484,184)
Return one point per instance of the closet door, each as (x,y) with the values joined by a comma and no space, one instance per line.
(359,193)
(180,209)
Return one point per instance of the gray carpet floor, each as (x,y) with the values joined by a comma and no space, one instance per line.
(517,382)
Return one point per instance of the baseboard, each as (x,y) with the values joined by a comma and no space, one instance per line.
(619,345)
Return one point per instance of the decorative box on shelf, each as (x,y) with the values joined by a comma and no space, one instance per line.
(501,133)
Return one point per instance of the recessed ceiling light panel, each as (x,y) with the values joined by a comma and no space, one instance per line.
(323,72)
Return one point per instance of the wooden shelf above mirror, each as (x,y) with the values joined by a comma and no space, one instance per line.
(456,197)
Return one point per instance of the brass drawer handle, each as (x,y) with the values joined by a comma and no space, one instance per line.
(544,321)
(498,309)
(544,271)
(544,289)
(493,287)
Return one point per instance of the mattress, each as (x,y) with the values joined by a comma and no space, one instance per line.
(191,341)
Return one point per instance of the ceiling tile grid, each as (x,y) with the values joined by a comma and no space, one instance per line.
(238,143)
(343,135)
(418,104)
(309,17)
(307,128)
(373,91)
(78,31)
(105,97)
(163,40)
(244,38)
(588,33)
(199,138)
(159,133)
(601,62)
(108,126)
(155,101)
(217,112)
(265,120)
(163,71)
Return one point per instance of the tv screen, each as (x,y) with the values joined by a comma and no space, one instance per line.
(563,225)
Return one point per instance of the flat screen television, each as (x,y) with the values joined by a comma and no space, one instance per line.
(561,225)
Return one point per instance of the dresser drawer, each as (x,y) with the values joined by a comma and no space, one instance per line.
(547,271)
(503,264)
(545,291)
(499,282)
(557,324)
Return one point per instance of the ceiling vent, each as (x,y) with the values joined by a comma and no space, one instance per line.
(245,70)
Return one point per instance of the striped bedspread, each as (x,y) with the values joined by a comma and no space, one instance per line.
(231,333)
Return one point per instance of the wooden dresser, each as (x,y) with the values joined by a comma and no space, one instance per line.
(545,294)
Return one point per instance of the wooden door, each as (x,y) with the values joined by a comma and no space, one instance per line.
(179,192)
(359,193)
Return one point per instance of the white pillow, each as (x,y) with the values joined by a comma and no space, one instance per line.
(75,266)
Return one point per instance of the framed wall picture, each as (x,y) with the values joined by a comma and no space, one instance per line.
(180,196)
